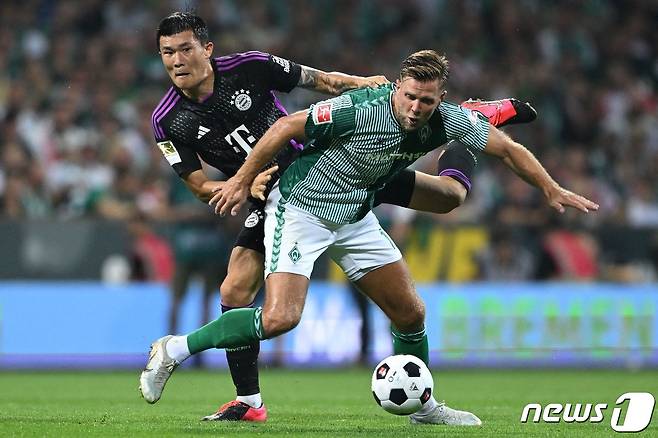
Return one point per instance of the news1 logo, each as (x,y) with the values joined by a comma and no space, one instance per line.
(637,418)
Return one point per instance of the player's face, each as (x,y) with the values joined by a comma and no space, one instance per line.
(185,59)
(414,102)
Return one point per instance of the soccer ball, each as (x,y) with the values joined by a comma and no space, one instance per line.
(402,384)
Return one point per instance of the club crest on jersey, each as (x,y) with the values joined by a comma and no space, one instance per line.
(241,100)
(322,113)
(294,254)
(425,133)
(253,219)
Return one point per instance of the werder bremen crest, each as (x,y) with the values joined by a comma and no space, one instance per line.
(425,133)
(294,254)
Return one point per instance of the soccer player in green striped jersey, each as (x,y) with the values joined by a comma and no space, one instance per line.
(356,143)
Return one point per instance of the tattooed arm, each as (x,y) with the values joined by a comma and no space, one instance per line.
(335,83)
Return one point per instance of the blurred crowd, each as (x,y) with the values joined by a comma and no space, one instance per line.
(79,80)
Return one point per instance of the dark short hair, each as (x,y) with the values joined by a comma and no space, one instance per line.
(180,22)
(426,65)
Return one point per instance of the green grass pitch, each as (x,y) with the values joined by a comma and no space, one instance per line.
(327,403)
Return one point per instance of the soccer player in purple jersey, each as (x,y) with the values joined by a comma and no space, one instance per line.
(216,110)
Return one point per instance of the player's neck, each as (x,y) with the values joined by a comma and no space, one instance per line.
(203,89)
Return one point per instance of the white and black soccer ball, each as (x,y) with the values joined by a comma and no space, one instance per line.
(402,384)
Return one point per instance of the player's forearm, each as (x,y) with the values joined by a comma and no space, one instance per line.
(199,184)
(206,190)
(336,83)
(333,83)
(275,139)
(525,164)
(518,158)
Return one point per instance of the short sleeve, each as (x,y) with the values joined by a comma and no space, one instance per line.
(181,158)
(469,127)
(330,119)
(283,73)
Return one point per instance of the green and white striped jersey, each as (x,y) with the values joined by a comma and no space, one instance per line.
(355,145)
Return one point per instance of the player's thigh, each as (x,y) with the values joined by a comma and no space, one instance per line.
(362,247)
(244,275)
(294,239)
(392,289)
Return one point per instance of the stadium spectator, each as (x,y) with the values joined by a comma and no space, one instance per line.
(151,258)
(505,259)
(569,255)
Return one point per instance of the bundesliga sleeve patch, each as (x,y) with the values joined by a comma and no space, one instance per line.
(169,152)
(322,113)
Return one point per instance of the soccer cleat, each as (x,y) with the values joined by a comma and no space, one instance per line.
(238,411)
(443,414)
(158,370)
(504,111)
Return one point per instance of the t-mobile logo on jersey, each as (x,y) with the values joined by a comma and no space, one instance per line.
(243,143)
(638,412)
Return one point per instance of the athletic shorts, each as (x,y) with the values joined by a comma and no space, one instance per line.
(294,239)
(253,231)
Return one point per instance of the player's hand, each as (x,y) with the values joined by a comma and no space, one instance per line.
(376,81)
(259,186)
(230,197)
(216,186)
(561,198)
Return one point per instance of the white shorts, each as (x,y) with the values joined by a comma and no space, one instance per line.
(294,239)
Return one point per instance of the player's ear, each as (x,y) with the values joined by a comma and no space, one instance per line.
(443,94)
(208,49)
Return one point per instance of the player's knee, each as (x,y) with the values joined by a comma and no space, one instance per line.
(237,293)
(412,318)
(457,196)
(453,195)
(278,323)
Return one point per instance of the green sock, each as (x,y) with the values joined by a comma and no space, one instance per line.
(236,328)
(411,343)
